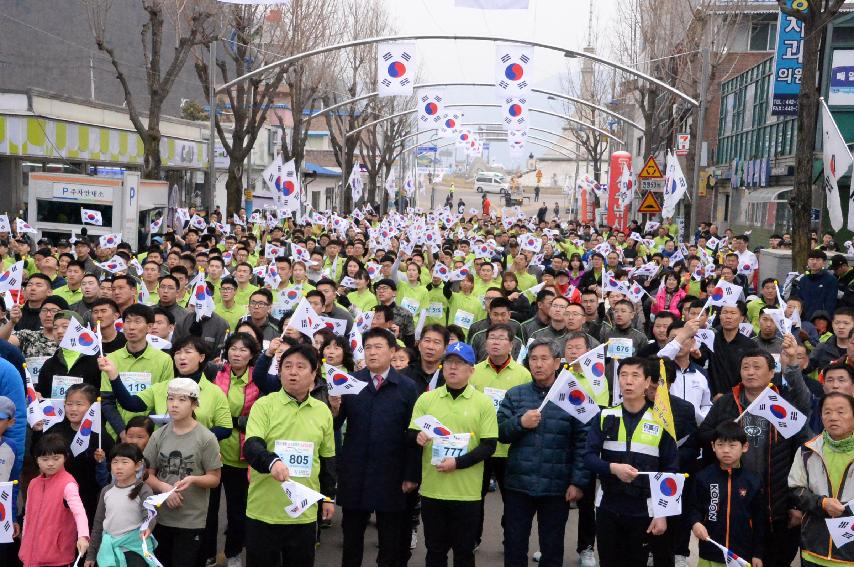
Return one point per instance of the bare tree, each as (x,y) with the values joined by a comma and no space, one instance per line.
(307,25)
(666,41)
(357,77)
(380,145)
(259,36)
(815,20)
(593,144)
(192,22)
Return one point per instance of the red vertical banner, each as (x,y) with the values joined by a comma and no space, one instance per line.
(617,217)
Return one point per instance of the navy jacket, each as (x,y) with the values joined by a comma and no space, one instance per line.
(818,291)
(731,505)
(375,457)
(543,461)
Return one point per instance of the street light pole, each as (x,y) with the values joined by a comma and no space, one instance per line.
(698,143)
(212,125)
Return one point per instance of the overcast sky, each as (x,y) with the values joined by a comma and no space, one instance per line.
(558,22)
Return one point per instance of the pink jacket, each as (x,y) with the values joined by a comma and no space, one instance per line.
(661,300)
(51,529)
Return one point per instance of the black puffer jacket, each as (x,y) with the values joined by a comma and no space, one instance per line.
(543,461)
(781,451)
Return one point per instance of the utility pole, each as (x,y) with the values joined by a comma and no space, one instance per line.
(212,127)
(698,143)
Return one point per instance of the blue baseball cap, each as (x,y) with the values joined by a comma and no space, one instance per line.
(462,350)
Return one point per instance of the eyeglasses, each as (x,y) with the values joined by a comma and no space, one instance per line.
(49,311)
(258,304)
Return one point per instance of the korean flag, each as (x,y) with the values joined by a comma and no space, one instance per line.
(431,109)
(514,113)
(395,68)
(512,69)
(666,494)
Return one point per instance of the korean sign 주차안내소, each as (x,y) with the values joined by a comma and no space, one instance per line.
(788,62)
(80,192)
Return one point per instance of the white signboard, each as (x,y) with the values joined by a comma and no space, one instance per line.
(81,192)
(841,90)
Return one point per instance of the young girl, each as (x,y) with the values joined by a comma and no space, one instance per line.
(88,468)
(138,430)
(184,459)
(55,520)
(115,533)
(401,358)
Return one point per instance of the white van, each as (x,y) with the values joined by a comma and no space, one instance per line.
(491,182)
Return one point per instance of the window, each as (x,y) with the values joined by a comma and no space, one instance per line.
(69,212)
(763,36)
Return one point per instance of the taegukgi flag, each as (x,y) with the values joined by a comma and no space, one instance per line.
(80,339)
(7,508)
(837,161)
(567,394)
(91,424)
(340,382)
(666,493)
(512,69)
(89,216)
(785,418)
(395,68)
(841,530)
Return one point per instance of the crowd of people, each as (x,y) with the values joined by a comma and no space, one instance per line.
(401,368)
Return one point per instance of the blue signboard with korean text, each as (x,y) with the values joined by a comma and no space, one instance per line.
(788,63)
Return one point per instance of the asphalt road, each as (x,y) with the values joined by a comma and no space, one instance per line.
(490,553)
(472,199)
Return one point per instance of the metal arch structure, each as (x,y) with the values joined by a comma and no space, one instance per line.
(533,139)
(482,124)
(371,40)
(546,146)
(487,105)
(555,94)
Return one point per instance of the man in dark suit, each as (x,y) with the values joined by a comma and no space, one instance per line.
(376,465)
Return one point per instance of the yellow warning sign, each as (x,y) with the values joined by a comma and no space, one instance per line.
(649,205)
(650,170)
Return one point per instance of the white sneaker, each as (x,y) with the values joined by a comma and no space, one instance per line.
(587,558)
(681,561)
(413,542)
(537,556)
(235,561)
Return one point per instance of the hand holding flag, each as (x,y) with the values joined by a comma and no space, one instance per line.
(91,424)
(341,383)
(785,418)
(80,339)
(568,395)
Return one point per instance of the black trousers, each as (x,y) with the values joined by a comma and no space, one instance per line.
(781,544)
(393,537)
(621,539)
(587,518)
(449,525)
(661,546)
(519,510)
(492,466)
(235,483)
(274,545)
(178,547)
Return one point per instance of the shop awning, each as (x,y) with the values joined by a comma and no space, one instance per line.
(767,195)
